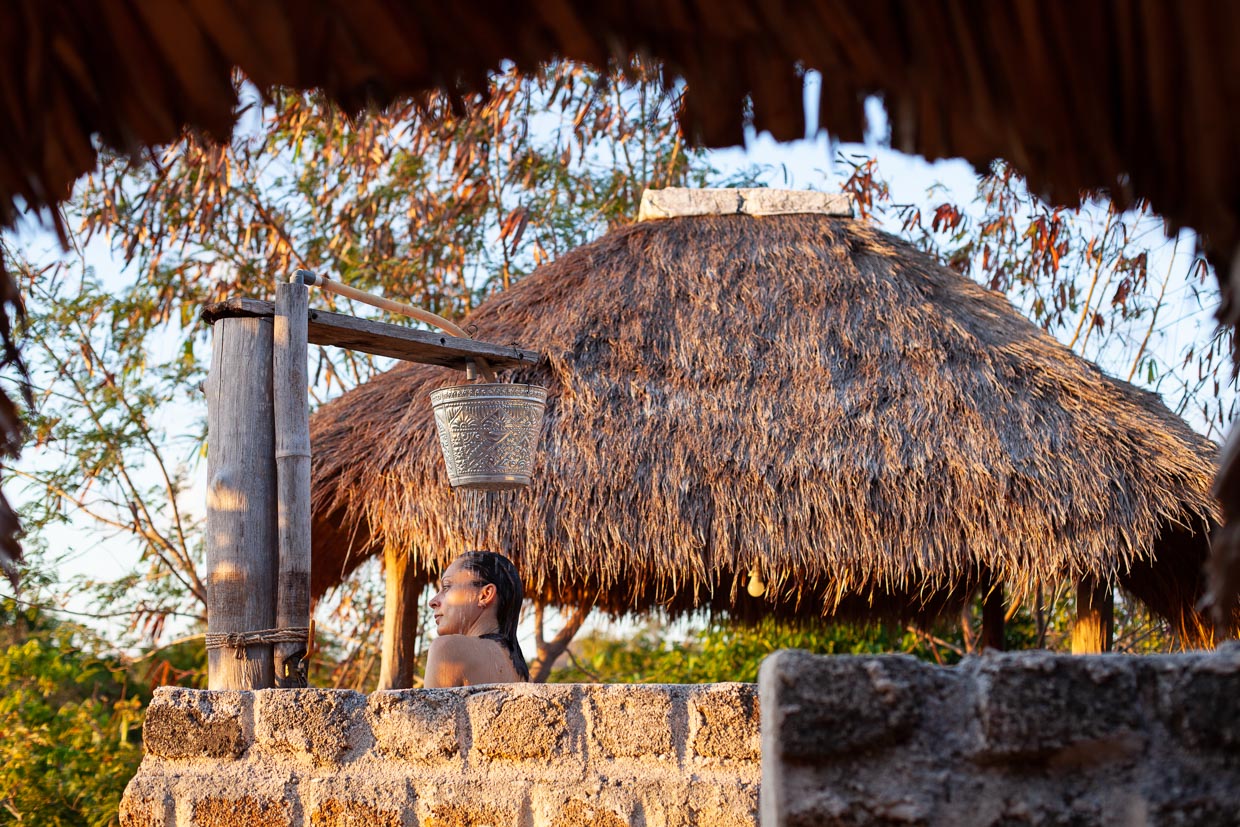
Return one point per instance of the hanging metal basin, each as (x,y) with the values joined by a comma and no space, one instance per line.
(489,432)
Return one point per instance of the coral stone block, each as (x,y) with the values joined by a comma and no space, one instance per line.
(343,812)
(417,725)
(242,811)
(724,722)
(194,723)
(527,723)
(374,796)
(470,814)
(1033,704)
(1200,701)
(834,707)
(631,721)
(146,803)
(319,723)
(578,813)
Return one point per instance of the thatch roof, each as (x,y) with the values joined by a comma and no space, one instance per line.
(802,394)
(1125,94)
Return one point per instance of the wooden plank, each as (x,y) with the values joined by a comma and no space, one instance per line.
(1094,629)
(290,385)
(241,501)
(381,338)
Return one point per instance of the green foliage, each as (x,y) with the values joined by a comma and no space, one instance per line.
(71,720)
(720,650)
(723,651)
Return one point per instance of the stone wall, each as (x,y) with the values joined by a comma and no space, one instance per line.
(1023,738)
(510,756)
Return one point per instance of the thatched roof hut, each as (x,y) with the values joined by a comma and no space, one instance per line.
(800,395)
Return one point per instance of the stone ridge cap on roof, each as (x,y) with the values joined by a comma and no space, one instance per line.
(679,202)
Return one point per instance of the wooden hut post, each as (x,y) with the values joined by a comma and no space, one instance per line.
(992,614)
(241,505)
(400,619)
(1094,629)
(292,453)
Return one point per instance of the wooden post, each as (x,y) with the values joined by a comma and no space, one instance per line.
(1094,629)
(292,452)
(992,614)
(241,502)
(400,620)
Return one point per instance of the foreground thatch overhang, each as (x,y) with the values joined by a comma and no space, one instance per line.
(800,395)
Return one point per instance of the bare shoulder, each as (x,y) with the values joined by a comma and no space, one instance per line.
(464,660)
(446,661)
(452,645)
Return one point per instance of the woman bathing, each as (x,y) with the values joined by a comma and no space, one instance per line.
(476,611)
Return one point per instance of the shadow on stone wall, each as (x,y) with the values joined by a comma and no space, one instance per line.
(1014,739)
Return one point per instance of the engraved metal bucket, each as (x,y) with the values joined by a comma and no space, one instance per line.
(488,433)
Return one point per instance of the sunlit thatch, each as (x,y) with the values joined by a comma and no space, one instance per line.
(803,395)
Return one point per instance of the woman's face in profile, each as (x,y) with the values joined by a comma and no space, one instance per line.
(456,605)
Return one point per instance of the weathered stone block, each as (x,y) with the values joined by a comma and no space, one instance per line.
(323,724)
(606,804)
(147,803)
(1035,704)
(1199,700)
(827,808)
(242,811)
(526,722)
(194,723)
(724,722)
(417,725)
(458,804)
(358,801)
(344,812)
(832,707)
(631,721)
(723,805)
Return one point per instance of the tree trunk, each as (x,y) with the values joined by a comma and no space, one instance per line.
(400,620)
(292,451)
(241,501)
(548,651)
(992,615)
(1094,629)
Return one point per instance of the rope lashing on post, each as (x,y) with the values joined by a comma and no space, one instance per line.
(241,640)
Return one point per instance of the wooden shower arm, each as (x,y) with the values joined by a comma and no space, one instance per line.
(425,316)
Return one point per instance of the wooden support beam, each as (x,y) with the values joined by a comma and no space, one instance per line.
(241,503)
(400,620)
(380,338)
(1094,629)
(992,615)
(290,390)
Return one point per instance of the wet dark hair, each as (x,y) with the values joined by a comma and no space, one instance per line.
(499,571)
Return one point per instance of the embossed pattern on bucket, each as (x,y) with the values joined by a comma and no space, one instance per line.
(488,433)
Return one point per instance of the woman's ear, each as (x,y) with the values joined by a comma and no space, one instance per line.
(486,595)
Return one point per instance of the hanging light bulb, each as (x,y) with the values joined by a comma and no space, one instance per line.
(756,587)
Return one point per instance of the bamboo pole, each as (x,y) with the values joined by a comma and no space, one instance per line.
(241,505)
(1094,629)
(400,620)
(292,454)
